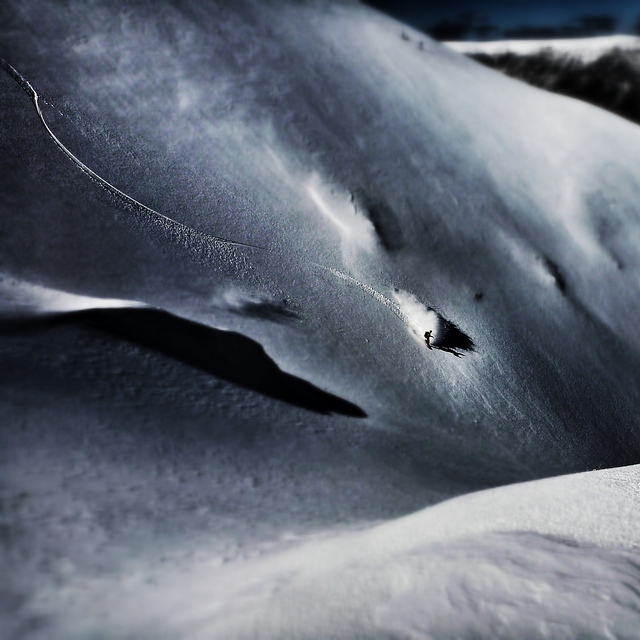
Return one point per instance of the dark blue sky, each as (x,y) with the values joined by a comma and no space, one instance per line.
(508,15)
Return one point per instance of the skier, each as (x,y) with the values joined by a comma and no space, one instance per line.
(428,335)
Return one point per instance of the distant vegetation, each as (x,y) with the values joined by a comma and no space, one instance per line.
(475,25)
(611,82)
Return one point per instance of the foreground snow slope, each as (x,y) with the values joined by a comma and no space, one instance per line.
(277,386)
(554,559)
(549,559)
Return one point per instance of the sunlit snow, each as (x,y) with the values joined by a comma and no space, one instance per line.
(20,298)
(339,210)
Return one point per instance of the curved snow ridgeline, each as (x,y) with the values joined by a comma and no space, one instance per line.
(484,565)
(263,444)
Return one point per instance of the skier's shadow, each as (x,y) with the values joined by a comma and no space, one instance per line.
(450,339)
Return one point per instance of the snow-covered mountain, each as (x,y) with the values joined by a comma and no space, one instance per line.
(604,71)
(225,229)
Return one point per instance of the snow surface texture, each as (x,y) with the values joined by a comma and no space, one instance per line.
(290,194)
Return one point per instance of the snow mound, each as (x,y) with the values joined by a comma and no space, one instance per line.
(547,559)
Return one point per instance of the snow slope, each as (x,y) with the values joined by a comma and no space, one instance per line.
(550,559)
(293,192)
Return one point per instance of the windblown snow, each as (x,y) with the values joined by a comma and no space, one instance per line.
(224,231)
(339,210)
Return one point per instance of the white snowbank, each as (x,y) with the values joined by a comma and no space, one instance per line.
(547,559)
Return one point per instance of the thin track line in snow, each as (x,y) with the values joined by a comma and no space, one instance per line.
(376,295)
(132,202)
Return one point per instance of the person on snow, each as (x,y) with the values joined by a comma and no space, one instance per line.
(428,335)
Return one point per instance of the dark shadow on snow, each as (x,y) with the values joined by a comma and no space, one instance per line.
(451,339)
(224,354)
(271,311)
(382,217)
(556,274)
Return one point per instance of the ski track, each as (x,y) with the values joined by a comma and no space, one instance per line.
(208,238)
